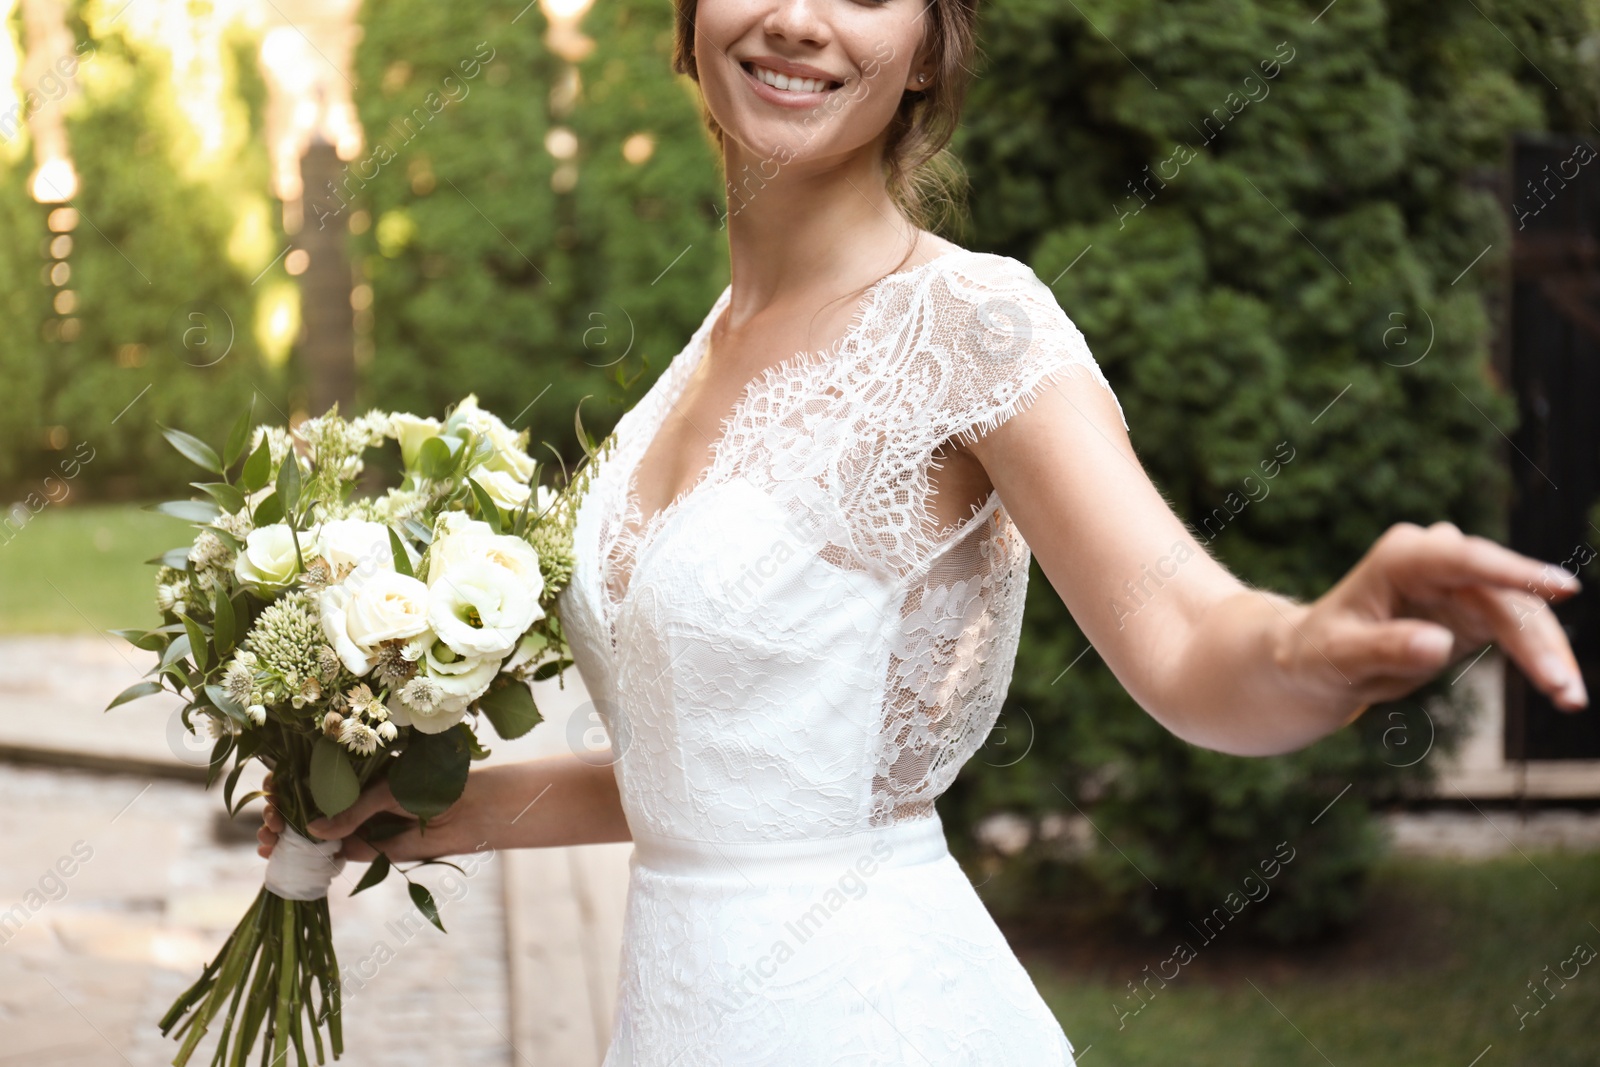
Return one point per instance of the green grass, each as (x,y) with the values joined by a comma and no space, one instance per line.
(1429,980)
(76,569)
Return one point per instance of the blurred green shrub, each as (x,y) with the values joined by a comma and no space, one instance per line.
(1261,213)
(515,250)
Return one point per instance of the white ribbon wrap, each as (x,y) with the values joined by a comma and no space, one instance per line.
(302,869)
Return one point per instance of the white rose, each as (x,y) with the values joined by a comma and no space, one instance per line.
(411,432)
(354,542)
(268,564)
(503,488)
(358,616)
(510,453)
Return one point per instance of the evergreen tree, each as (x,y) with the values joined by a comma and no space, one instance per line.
(1261,218)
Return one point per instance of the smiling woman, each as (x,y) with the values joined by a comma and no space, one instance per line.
(799,569)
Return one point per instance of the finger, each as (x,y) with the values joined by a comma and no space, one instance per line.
(402,847)
(1446,558)
(1530,633)
(273,819)
(1393,656)
(267,837)
(374,799)
(264,851)
(358,851)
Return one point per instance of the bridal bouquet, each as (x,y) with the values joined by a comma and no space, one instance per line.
(341,640)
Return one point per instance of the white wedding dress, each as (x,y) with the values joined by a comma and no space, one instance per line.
(792,662)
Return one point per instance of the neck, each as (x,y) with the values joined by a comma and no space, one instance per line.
(808,227)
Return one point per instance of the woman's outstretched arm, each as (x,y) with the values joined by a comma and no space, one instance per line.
(1234,668)
(537,803)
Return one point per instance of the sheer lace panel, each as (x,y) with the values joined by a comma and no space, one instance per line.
(844,445)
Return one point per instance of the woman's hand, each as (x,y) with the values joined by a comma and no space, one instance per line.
(458,830)
(1420,599)
(539,803)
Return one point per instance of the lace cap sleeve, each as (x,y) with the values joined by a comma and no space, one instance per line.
(1008,339)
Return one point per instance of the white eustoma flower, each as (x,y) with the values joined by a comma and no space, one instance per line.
(358,616)
(480,609)
(503,488)
(268,563)
(445,688)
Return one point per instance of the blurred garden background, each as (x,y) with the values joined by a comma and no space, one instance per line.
(1351,243)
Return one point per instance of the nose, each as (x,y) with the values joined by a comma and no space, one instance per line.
(798,21)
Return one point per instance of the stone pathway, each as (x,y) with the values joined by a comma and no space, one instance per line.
(89,961)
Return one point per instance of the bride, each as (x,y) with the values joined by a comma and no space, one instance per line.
(800,577)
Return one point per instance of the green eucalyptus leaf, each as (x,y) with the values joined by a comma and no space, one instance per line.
(510,708)
(334,786)
(176,558)
(269,511)
(418,530)
(142,639)
(197,643)
(258,468)
(439,456)
(223,624)
(431,773)
(424,902)
(187,510)
(238,437)
(135,692)
(219,757)
(194,449)
(486,508)
(288,489)
(228,497)
(177,650)
(402,558)
(375,874)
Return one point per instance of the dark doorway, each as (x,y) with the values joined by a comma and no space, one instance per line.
(1555,455)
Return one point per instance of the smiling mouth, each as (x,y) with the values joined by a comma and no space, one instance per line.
(787,84)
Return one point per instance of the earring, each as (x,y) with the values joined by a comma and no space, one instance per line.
(921,78)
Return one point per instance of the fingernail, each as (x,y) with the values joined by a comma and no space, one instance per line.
(1555,673)
(1574,693)
(1431,643)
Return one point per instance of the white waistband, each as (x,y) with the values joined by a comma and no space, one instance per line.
(898,845)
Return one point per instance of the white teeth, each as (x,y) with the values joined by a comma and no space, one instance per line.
(787,84)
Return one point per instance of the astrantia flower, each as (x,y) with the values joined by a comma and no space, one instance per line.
(422,693)
(209,551)
(257,713)
(240,678)
(396,661)
(358,737)
(458,682)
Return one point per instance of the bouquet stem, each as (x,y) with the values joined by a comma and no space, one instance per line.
(279,945)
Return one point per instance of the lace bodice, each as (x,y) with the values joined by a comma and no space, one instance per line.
(796,647)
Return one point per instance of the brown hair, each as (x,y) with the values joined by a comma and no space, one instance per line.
(924,179)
